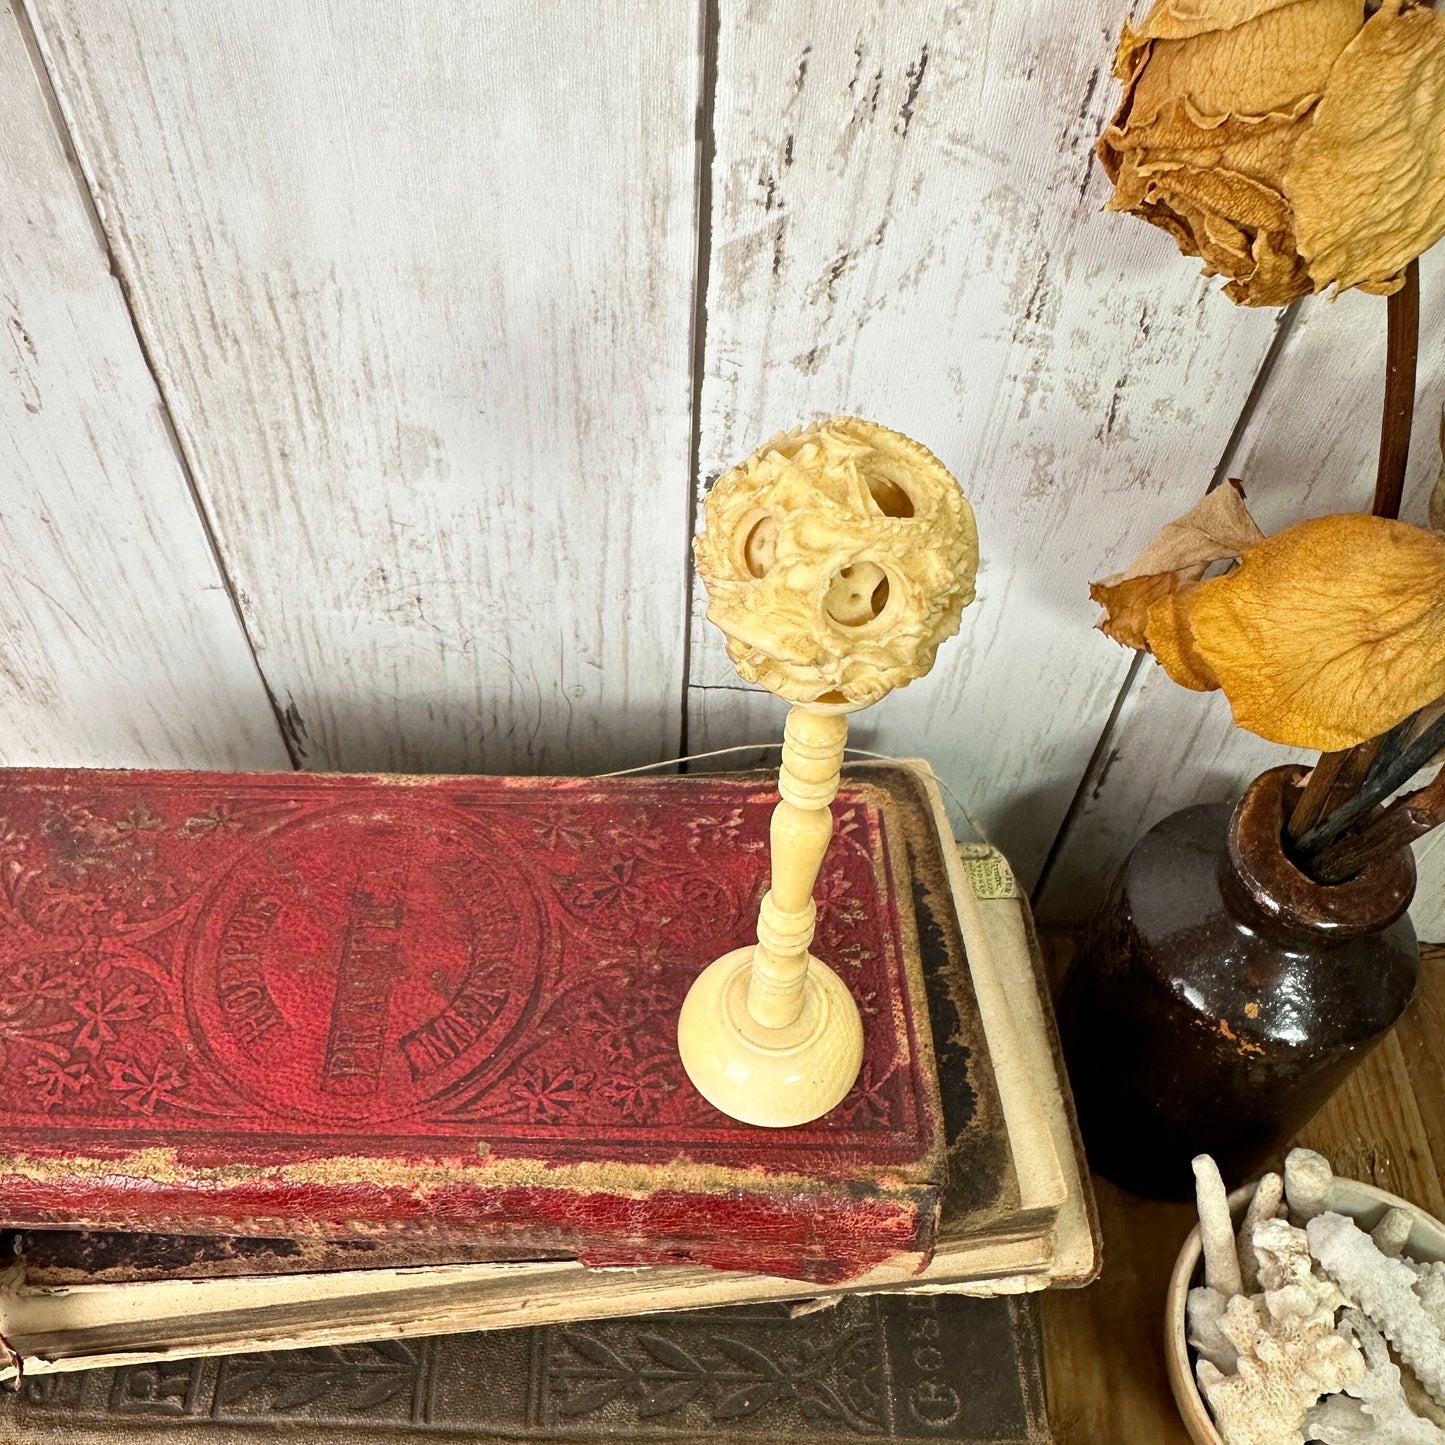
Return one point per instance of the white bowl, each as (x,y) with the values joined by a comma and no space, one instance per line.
(1361,1202)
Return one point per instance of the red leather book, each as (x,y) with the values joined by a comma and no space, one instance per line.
(359,1006)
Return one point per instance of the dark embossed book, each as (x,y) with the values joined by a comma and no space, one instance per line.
(916,1367)
(443,1010)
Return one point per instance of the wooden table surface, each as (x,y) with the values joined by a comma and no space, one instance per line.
(1103,1345)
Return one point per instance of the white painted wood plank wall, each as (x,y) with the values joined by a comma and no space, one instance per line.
(453,310)
(118,642)
(416,282)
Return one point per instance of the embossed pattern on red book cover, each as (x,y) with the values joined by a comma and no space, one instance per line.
(353,1004)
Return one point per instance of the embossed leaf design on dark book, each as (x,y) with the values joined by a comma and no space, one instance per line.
(910,1367)
(443,1009)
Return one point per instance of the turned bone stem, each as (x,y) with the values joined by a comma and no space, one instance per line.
(802,827)
(837,558)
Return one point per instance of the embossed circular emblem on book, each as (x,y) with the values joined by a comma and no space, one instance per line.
(351,966)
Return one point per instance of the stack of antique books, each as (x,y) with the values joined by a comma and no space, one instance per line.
(323,1098)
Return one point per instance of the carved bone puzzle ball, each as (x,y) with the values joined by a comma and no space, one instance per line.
(836,558)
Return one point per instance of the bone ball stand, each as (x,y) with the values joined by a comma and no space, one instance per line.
(837,557)
(768,1033)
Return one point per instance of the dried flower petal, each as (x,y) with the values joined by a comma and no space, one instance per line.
(1368,178)
(1274,66)
(1184,19)
(1220,526)
(1326,634)
(1169,636)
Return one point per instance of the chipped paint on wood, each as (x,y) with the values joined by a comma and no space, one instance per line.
(905,226)
(416,281)
(1309,448)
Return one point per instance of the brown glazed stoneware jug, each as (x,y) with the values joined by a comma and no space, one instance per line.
(1222,995)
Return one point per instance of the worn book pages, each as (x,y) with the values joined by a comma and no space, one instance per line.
(1003,947)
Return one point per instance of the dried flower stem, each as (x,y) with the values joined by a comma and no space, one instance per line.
(1315,794)
(1401,350)
(1396,827)
(1337,776)
(1403,762)
(1340,776)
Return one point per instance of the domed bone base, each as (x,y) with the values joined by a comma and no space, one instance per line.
(772,1077)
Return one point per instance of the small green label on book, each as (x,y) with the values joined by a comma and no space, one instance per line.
(988,872)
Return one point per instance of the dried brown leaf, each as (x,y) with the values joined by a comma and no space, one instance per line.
(1326,634)
(1368,177)
(1218,527)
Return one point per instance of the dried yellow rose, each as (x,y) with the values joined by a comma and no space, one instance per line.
(1326,634)
(1292,144)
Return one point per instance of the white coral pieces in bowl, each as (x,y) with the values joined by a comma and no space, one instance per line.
(1323,1319)
(836,559)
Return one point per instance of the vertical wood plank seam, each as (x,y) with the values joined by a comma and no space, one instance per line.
(1095,771)
(705,141)
(85,184)
(1101,759)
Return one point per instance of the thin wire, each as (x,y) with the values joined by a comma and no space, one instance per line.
(689,758)
(853,752)
(937,778)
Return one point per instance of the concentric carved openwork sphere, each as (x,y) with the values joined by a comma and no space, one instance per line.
(837,558)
